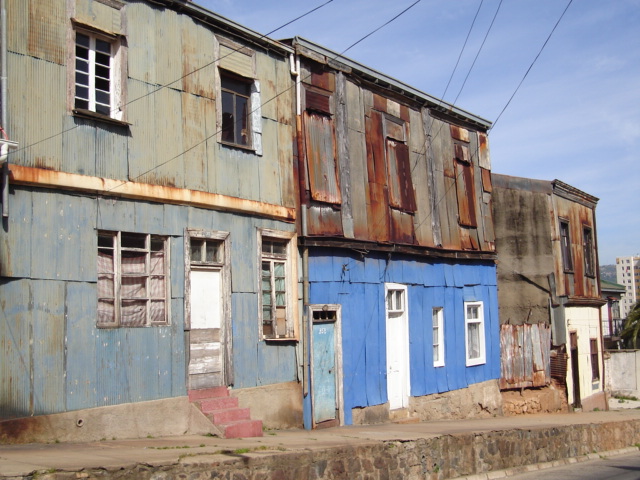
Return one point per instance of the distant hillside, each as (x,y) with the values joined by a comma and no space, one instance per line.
(608,273)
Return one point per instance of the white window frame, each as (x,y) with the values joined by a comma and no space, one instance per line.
(117,79)
(437,316)
(481,357)
(117,294)
(290,284)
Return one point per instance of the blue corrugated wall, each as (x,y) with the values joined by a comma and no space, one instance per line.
(54,359)
(357,283)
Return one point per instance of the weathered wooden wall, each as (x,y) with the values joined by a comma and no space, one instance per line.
(357,283)
(399,174)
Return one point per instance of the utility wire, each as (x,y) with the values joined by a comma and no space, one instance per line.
(531,66)
(120,107)
(338,55)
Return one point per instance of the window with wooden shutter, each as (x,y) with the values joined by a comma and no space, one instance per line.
(321,158)
(401,195)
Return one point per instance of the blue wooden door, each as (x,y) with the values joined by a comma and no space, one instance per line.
(324,372)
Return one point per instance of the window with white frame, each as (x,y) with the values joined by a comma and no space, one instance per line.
(98,61)
(474,333)
(276,293)
(236,109)
(133,280)
(437,321)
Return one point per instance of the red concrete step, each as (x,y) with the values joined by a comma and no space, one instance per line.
(242,429)
(208,393)
(229,415)
(209,405)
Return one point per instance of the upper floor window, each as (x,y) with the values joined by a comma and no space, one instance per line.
(474,336)
(437,317)
(277,297)
(97,75)
(133,280)
(236,104)
(587,239)
(565,246)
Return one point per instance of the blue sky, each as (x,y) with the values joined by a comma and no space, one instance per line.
(575,118)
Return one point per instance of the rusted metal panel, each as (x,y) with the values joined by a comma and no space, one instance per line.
(486,180)
(17,25)
(286,138)
(47,31)
(321,158)
(267,73)
(484,159)
(142,191)
(198,57)
(321,78)
(198,115)
(377,203)
(168,43)
(466,194)
(324,221)
(525,355)
(260,176)
(459,133)
(401,227)
(40,110)
(401,193)
(317,101)
(98,14)
(142,48)
(379,103)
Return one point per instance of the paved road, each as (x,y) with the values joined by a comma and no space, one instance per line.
(623,467)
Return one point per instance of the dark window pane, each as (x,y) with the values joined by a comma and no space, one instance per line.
(242,124)
(102,46)
(133,240)
(82,53)
(82,65)
(82,39)
(102,59)
(82,92)
(82,104)
(227,117)
(82,78)
(102,71)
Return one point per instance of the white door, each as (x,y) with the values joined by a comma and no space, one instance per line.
(205,362)
(397,329)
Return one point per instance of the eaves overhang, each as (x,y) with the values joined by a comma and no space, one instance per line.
(340,62)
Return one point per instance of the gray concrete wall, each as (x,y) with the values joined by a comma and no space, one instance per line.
(173,416)
(436,458)
(622,372)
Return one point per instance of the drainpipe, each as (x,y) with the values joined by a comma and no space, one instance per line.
(3,114)
(295,71)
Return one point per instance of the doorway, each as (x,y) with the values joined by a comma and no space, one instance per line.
(326,365)
(397,329)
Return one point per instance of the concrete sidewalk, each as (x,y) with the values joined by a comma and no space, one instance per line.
(113,458)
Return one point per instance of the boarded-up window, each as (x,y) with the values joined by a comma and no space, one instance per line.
(587,240)
(321,158)
(401,195)
(466,194)
(595,362)
(565,246)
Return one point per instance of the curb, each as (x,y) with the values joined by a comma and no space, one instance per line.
(546,465)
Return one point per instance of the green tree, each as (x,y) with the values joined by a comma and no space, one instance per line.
(631,330)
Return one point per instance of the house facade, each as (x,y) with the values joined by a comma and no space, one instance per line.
(549,294)
(149,245)
(396,235)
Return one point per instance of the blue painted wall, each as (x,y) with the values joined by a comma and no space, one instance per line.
(357,283)
(54,359)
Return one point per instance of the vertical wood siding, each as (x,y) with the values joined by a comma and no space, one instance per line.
(357,284)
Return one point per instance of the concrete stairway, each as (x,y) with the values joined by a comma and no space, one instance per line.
(224,412)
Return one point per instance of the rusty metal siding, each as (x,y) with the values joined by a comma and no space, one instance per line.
(198,59)
(198,123)
(377,202)
(37,116)
(142,47)
(47,31)
(321,158)
(99,15)
(525,353)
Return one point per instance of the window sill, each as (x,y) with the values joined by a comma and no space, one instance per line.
(246,148)
(281,340)
(90,115)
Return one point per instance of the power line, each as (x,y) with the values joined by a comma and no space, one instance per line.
(531,66)
(120,107)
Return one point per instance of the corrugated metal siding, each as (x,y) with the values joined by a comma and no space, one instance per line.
(525,353)
(356,283)
(237,61)
(100,15)
(47,30)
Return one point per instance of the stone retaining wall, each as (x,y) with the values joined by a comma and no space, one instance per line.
(443,457)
